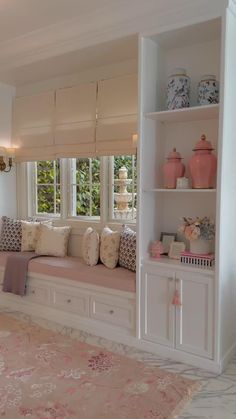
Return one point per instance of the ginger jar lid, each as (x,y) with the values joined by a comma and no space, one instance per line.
(203,144)
(174,155)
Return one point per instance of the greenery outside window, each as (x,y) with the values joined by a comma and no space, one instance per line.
(85,187)
(47,187)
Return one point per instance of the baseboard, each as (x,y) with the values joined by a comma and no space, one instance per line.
(179,356)
(227,357)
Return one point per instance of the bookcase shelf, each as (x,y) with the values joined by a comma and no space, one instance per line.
(195,113)
(190,190)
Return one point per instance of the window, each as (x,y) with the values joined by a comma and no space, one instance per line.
(88,188)
(47,187)
(85,187)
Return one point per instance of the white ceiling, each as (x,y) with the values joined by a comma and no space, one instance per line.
(42,38)
(19,17)
(123,49)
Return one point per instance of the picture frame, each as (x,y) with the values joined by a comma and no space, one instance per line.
(167,239)
(176,248)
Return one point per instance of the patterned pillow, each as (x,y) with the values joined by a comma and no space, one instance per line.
(11,235)
(109,248)
(127,255)
(90,247)
(52,241)
(30,234)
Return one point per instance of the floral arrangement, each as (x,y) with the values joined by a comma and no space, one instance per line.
(196,228)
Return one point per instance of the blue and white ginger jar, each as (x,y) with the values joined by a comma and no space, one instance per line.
(208,90)
(178,90)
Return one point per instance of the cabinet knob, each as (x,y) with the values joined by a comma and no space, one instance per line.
(69,300)
(33,292)
(111,311)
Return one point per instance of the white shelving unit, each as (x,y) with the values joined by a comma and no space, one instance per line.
(201,331)
(195,113)
(167,262)
(190,190)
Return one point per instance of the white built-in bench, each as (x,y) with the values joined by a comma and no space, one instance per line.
(95,299)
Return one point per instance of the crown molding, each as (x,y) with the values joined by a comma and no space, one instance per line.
(102,25)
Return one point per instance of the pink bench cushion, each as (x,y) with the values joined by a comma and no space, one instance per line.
(76,270)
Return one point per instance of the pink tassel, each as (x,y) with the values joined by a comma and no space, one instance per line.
(176,299)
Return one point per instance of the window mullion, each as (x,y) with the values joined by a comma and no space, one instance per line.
(72,188)
(64,163)
(54,186)
(90,188)
(133,196)
(111,188)
(36,188)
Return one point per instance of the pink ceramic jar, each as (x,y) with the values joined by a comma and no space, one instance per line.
(203,165)
(173,169)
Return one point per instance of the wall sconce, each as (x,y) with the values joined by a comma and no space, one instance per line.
(6,159)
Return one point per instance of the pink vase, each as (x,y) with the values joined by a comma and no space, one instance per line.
(173,169)
(203,165)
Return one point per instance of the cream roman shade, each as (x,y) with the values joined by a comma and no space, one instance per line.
(117,115)
(85,120)
(33,126)
(75,120)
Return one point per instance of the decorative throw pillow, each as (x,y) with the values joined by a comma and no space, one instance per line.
(52,241)
(30,234)
(90,247)
(109,248)
(11,234)
(127,254)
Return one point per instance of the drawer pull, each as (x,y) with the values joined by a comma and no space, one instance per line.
(111,311)
(33,292)
(69,300)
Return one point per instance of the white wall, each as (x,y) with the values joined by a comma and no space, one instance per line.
(7,180)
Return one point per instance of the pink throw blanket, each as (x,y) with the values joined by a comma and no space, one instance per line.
(16,270)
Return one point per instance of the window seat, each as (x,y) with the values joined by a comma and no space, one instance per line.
(77,270)
(95,299)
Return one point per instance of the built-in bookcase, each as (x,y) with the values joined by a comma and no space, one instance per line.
(203,324)
(196,48)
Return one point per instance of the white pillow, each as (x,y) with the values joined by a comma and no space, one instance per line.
(30,234)
(90,247)
(109,248)
(52,241)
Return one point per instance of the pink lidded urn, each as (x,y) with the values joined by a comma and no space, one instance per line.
(203,165)
(173,169)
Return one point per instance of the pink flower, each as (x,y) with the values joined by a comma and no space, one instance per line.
(188,232)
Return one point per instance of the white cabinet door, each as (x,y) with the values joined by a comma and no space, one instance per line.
(157,311)
(194,315)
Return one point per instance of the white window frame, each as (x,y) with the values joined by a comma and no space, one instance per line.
(72,192)
(68,205)
(33,192)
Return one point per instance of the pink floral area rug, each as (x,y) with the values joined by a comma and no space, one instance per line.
(44,375)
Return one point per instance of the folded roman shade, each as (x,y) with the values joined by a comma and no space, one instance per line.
(75,120)
(90,119)
(117,115)
(33,126)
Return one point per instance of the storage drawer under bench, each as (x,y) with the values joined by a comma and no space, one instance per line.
(113,310)
(75,302)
